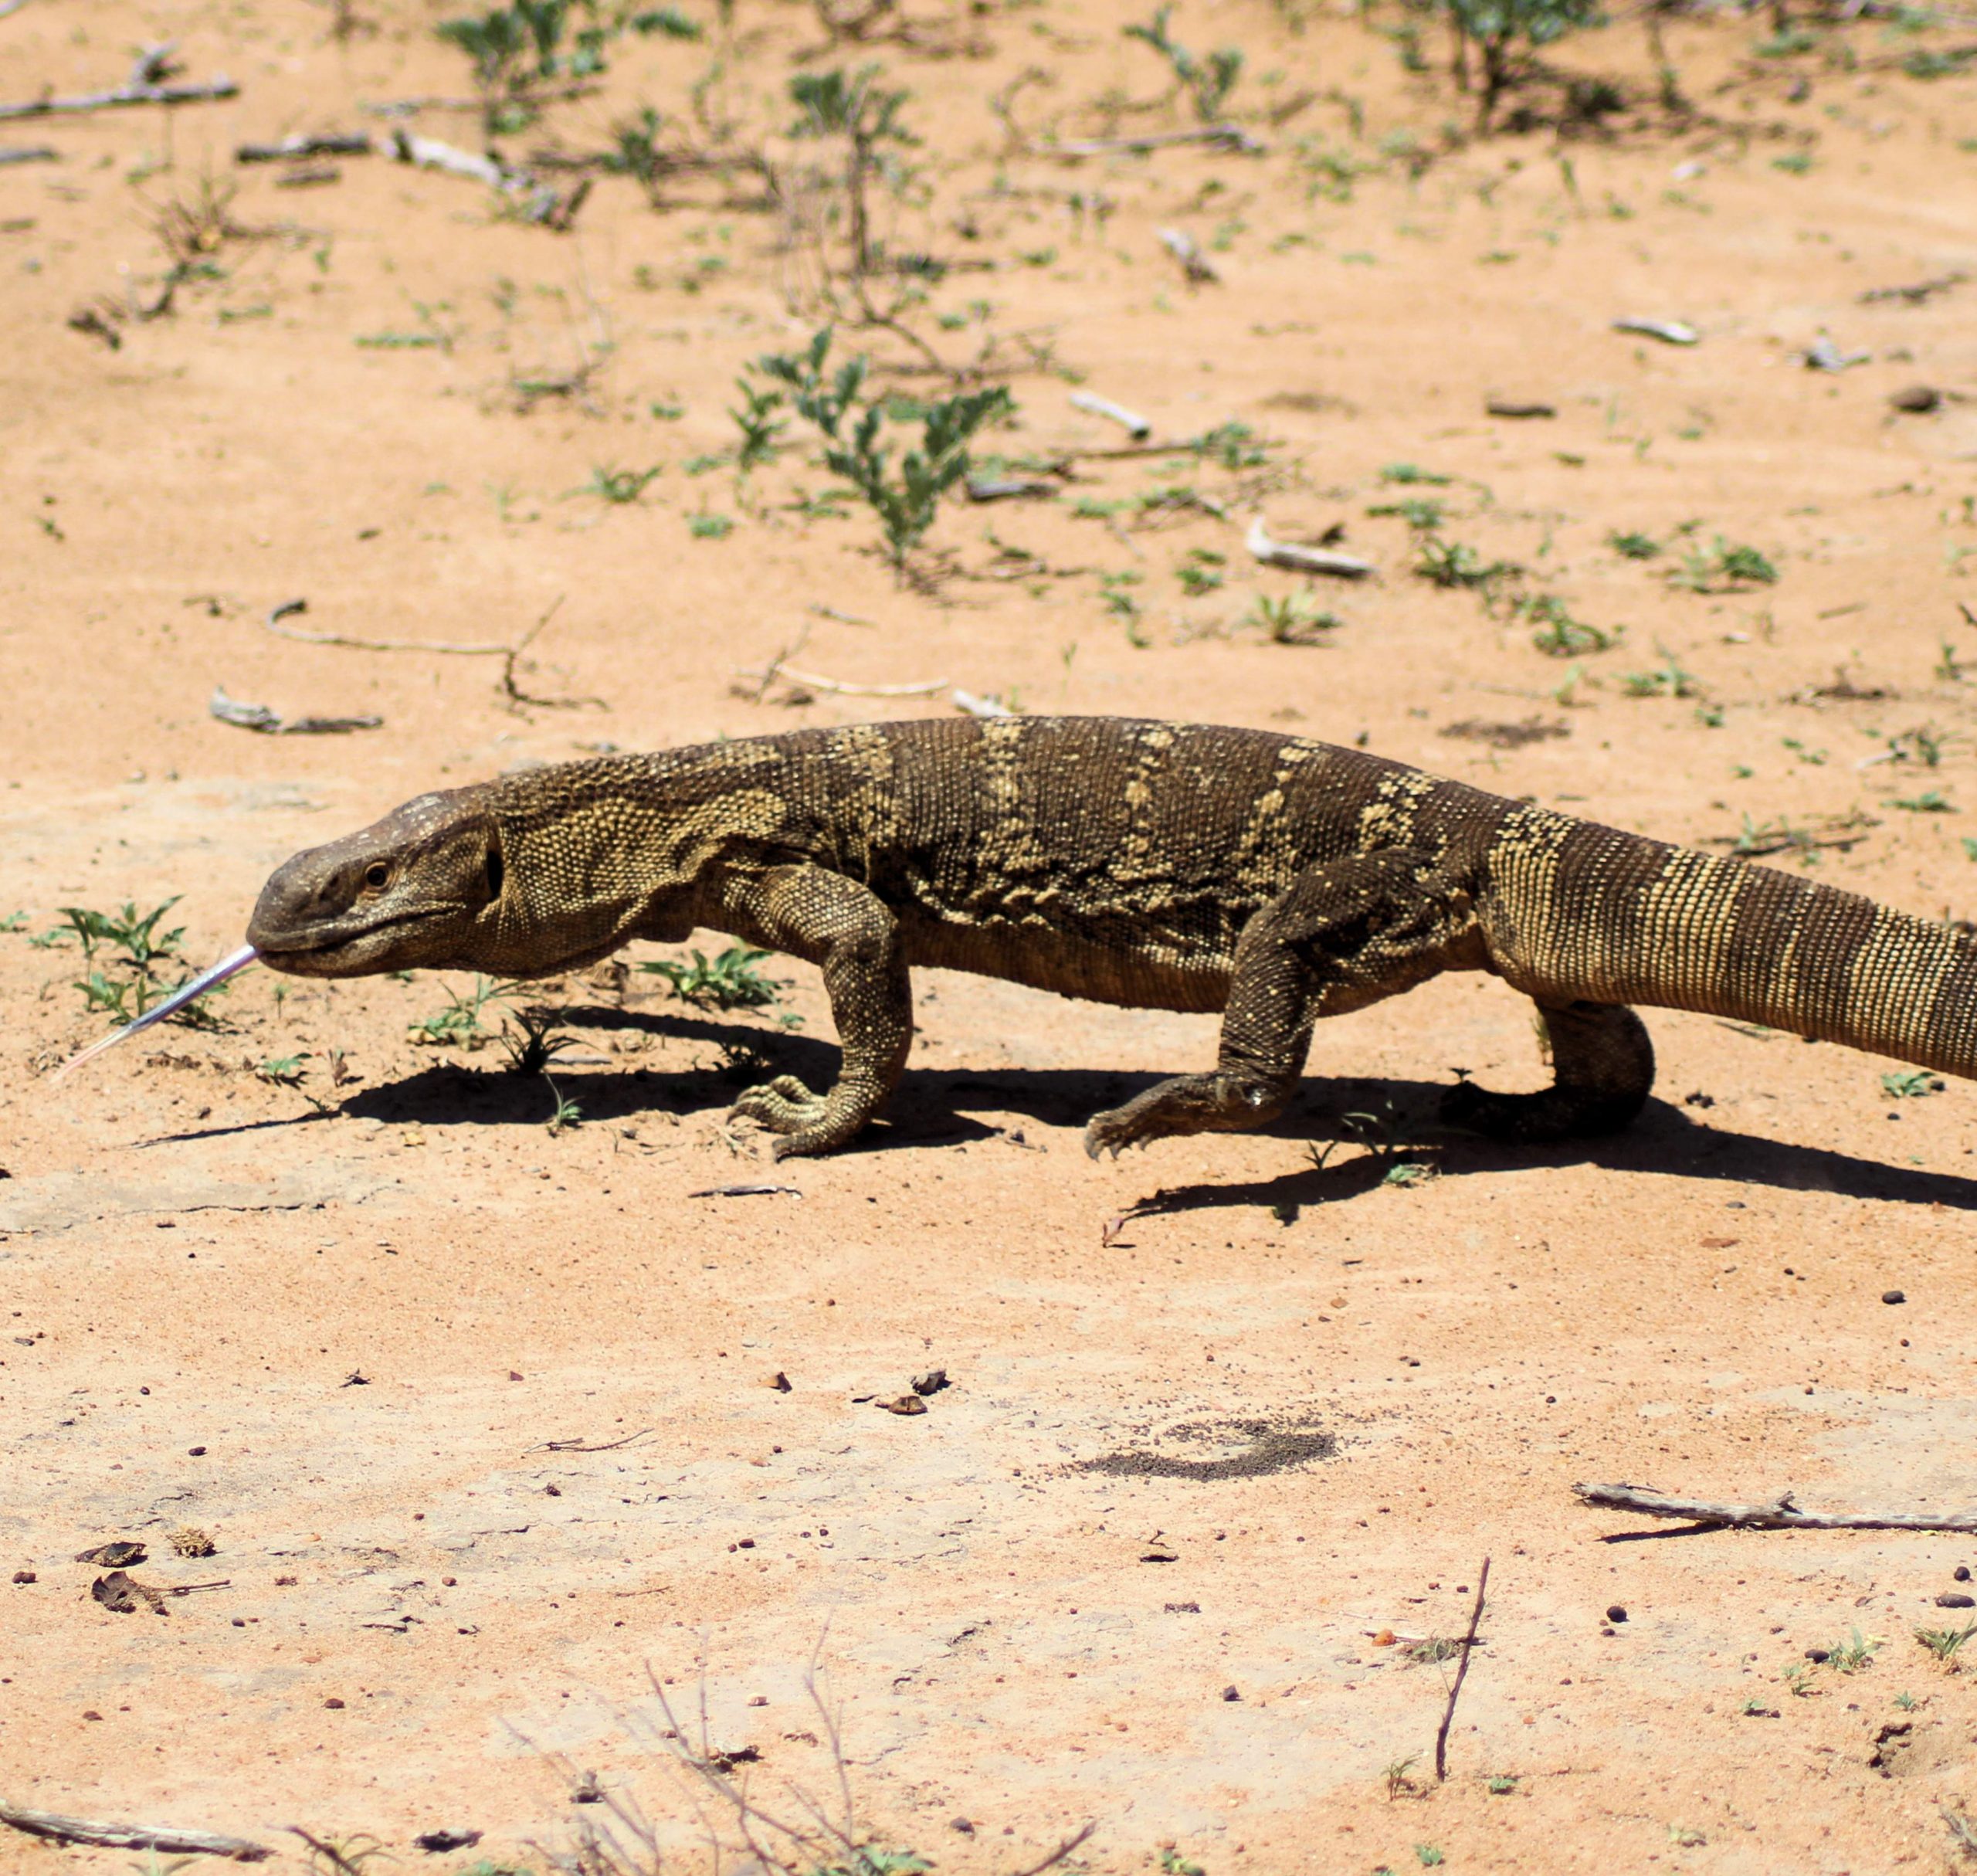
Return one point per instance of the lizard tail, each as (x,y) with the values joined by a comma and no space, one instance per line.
(1591,913)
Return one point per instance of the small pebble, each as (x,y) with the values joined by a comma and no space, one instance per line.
(1894,1296)
(1955,1598)
(1229,1693)
(1616,1613)
(29,1576)
(333,1702)
(1961,1573)
(196,1452)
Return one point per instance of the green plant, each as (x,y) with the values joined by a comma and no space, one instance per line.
(1395,1771)
(853,105)
(1418,511)
(1667,679)
(1906,1701)
(282,1071)
(459,1025)
(1294,619)
(1558,634)
(1428,1856)
(1798,1678)
(534,1043)
(907,500)
(1201,571)
(762,429)
(1495,26)
(1501,1784)
(132,934)
(1911,1084)
(1209,81)
(1412,473)
(635,152)
(127,983)
(517,49)
(1854,1653)
(730,981)
(1632,545)
(1452,563)
(710,527)
(620,486)
(1173,1864)
(1723,567)
(567,1114)
(1944,1644)
(1931,801)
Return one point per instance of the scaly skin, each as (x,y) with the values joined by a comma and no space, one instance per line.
(1151,865)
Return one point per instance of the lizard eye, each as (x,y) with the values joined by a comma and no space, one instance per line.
(377,876)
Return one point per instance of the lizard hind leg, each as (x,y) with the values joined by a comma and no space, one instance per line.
(1604,1065)
(1345,933)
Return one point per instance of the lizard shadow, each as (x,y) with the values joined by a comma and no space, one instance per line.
(1663,1140)
(935,1106)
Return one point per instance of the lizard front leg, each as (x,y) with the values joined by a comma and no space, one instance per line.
(833,922)
(1344,935)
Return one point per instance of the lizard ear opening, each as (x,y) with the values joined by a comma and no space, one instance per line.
(497,870)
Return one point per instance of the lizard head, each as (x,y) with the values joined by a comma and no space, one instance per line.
(422,888)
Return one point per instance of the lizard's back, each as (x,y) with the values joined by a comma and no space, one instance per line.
(1106,857)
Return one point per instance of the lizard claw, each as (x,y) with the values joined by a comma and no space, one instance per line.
(784,1106)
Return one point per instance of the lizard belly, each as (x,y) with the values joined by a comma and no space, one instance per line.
(1134,975)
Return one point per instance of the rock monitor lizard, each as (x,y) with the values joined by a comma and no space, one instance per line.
(1153,865)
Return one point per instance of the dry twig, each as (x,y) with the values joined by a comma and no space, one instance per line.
(1778,1514)
(1461,1670)
(61,1830)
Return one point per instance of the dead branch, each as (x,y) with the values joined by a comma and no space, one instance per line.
(1461,1670)
(221,88)
(259,718)
(355,143)
(1196,265)
(1135,426)
(1057,1856)
(1778,1514)
(61,1830)
(1224,136)
(355,644)
(578,1446)
(1304,559)
(38,153)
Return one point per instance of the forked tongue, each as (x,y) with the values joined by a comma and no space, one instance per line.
(184,994)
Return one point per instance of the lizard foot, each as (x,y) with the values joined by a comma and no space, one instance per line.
(1216,1103)
(1535,1120)
(784,1106)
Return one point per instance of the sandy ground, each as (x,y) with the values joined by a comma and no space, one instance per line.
(484,1421)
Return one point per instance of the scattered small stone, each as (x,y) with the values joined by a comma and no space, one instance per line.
(437,1842)
(1962,1573)
(1818,1655)
(964,1825)
(1894,1296)
(930,1382)
(1229,1693)
(907,1403)
(1616,1613)
(196,1452)
(1518,407)
(1919,400)
(190,1540)
(334,1704)
(1954,1598)
(29,1576)
(90,1713)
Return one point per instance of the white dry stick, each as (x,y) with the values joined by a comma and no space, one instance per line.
(967,702)
(1188,251)
(185,993)
(1136,426)
(60,1830)
(259,717)
(1304,559)
(1669,331)
(836,689)
(221,88)
(1823,355)
(1778,1514)
(429,152)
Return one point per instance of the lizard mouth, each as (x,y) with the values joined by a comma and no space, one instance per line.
(307,952)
